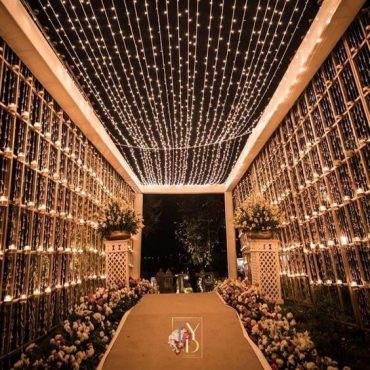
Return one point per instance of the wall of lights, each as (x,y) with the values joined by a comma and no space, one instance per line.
(178,84)
(53,185)
(316,167)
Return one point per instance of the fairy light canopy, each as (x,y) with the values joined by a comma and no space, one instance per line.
(178,84)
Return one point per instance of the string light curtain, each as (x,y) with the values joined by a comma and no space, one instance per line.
(54,185)
(179,85)
(316,167)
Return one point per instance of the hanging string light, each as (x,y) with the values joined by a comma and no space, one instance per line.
(178,84)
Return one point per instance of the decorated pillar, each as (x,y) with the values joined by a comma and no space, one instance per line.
(261,265)
(119,261)
(138,205)
(230,235)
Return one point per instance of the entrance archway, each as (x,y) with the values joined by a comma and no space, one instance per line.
(184,234)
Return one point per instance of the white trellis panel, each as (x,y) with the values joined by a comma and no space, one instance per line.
(261,265)
(119,261)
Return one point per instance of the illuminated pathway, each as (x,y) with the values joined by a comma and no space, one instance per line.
(141,342)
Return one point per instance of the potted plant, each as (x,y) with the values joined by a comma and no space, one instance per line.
(119,221)
(257,218)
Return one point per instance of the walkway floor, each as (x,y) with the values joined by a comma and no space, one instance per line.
(142,340)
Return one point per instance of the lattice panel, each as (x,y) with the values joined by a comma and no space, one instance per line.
(254,268)
(119,260)
(263,257)
(116,267)
(268,265)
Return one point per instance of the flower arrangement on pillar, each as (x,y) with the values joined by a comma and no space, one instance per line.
(257,218)
(119,221)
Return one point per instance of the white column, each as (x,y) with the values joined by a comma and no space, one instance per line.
(230,235)
(138,205)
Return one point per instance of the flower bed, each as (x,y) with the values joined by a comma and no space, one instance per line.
(82,339)
(273,331)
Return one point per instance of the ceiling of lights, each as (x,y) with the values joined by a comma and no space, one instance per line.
(178,84)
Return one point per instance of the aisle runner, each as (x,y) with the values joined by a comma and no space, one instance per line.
(206,333)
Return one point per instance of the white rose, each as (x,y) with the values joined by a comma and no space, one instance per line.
(255,329)
(18,364)
(310,365)
(90,351)
(97,316)
(84,337)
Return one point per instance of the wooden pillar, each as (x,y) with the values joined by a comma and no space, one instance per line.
(138,205)
(230,235)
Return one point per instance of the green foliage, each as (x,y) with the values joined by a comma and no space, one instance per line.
(200,229)
(153,213)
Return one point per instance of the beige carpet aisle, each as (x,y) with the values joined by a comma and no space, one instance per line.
(142,343)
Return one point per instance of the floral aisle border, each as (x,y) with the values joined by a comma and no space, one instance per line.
(273,332)
(82,340)
(262,359)
(104,356)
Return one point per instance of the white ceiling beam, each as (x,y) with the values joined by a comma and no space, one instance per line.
(183,189)
(329,25)
(21,33)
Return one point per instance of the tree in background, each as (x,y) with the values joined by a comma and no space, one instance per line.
(153,212)
(202,231)
(171,222)
(160,248)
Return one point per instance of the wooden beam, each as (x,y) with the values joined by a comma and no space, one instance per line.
(138,205)
(183,189)
(230,236)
